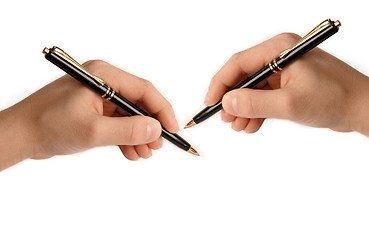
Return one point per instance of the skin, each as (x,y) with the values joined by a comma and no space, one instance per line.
(66,117)
(317,90)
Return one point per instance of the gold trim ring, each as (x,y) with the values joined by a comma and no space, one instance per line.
(276,65)
(106,93)
(111,95)
(272,68)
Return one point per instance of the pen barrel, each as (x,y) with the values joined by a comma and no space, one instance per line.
(256,78)
(251,82)
(207,112)
(131,109)
(175,139)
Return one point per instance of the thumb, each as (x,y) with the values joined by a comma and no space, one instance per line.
(132,130)
(255,103)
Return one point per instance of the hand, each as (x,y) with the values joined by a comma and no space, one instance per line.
(317,90)
(66,117)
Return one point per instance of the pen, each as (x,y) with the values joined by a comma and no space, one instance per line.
(77,71)
(311,40)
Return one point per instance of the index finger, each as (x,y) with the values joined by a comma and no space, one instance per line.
(245,63)
(137,90)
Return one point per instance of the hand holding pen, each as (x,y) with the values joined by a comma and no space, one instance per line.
(317,90)
(66,117)
(98,85)
(270,65)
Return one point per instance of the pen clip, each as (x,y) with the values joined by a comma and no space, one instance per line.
(58,51)
(327,23)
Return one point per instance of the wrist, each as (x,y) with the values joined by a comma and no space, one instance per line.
(15,138)
(359,114)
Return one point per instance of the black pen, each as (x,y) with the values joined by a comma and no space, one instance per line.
(73,68)
(311,40)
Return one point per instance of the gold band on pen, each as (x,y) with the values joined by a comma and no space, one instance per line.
(109,94)
(274,66)
(106,93)
(271,68)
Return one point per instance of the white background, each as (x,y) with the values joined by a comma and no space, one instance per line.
(285,182)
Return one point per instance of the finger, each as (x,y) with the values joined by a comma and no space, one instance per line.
(245,63)
(254,125)
(230,118)
(133,130)
(132,153)
(227,117)
(129,152)
(143,151)
(240,123)
(137,90)
(156,144)
(254,103)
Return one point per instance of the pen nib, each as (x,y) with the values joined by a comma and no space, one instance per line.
(190,124)
(193,151)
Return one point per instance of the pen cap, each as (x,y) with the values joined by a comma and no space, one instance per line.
(74,69)
(313,40)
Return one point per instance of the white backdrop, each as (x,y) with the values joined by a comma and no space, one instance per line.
(285,182)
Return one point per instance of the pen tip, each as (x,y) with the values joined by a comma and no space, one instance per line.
(190,124)
(193,151)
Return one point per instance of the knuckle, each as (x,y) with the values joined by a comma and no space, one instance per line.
(166,105)
(147,84)
(95,66)
(288,38)
(135,134)
(246,105)
(215,81)
(167,109)
(250,110)
(235,57)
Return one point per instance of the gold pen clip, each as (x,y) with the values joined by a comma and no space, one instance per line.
(319,28)
(68,58)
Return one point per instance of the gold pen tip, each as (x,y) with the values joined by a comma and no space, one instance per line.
(190,124)
(193,151)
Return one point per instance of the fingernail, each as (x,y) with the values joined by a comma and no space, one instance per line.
(229,103)
(153,130)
